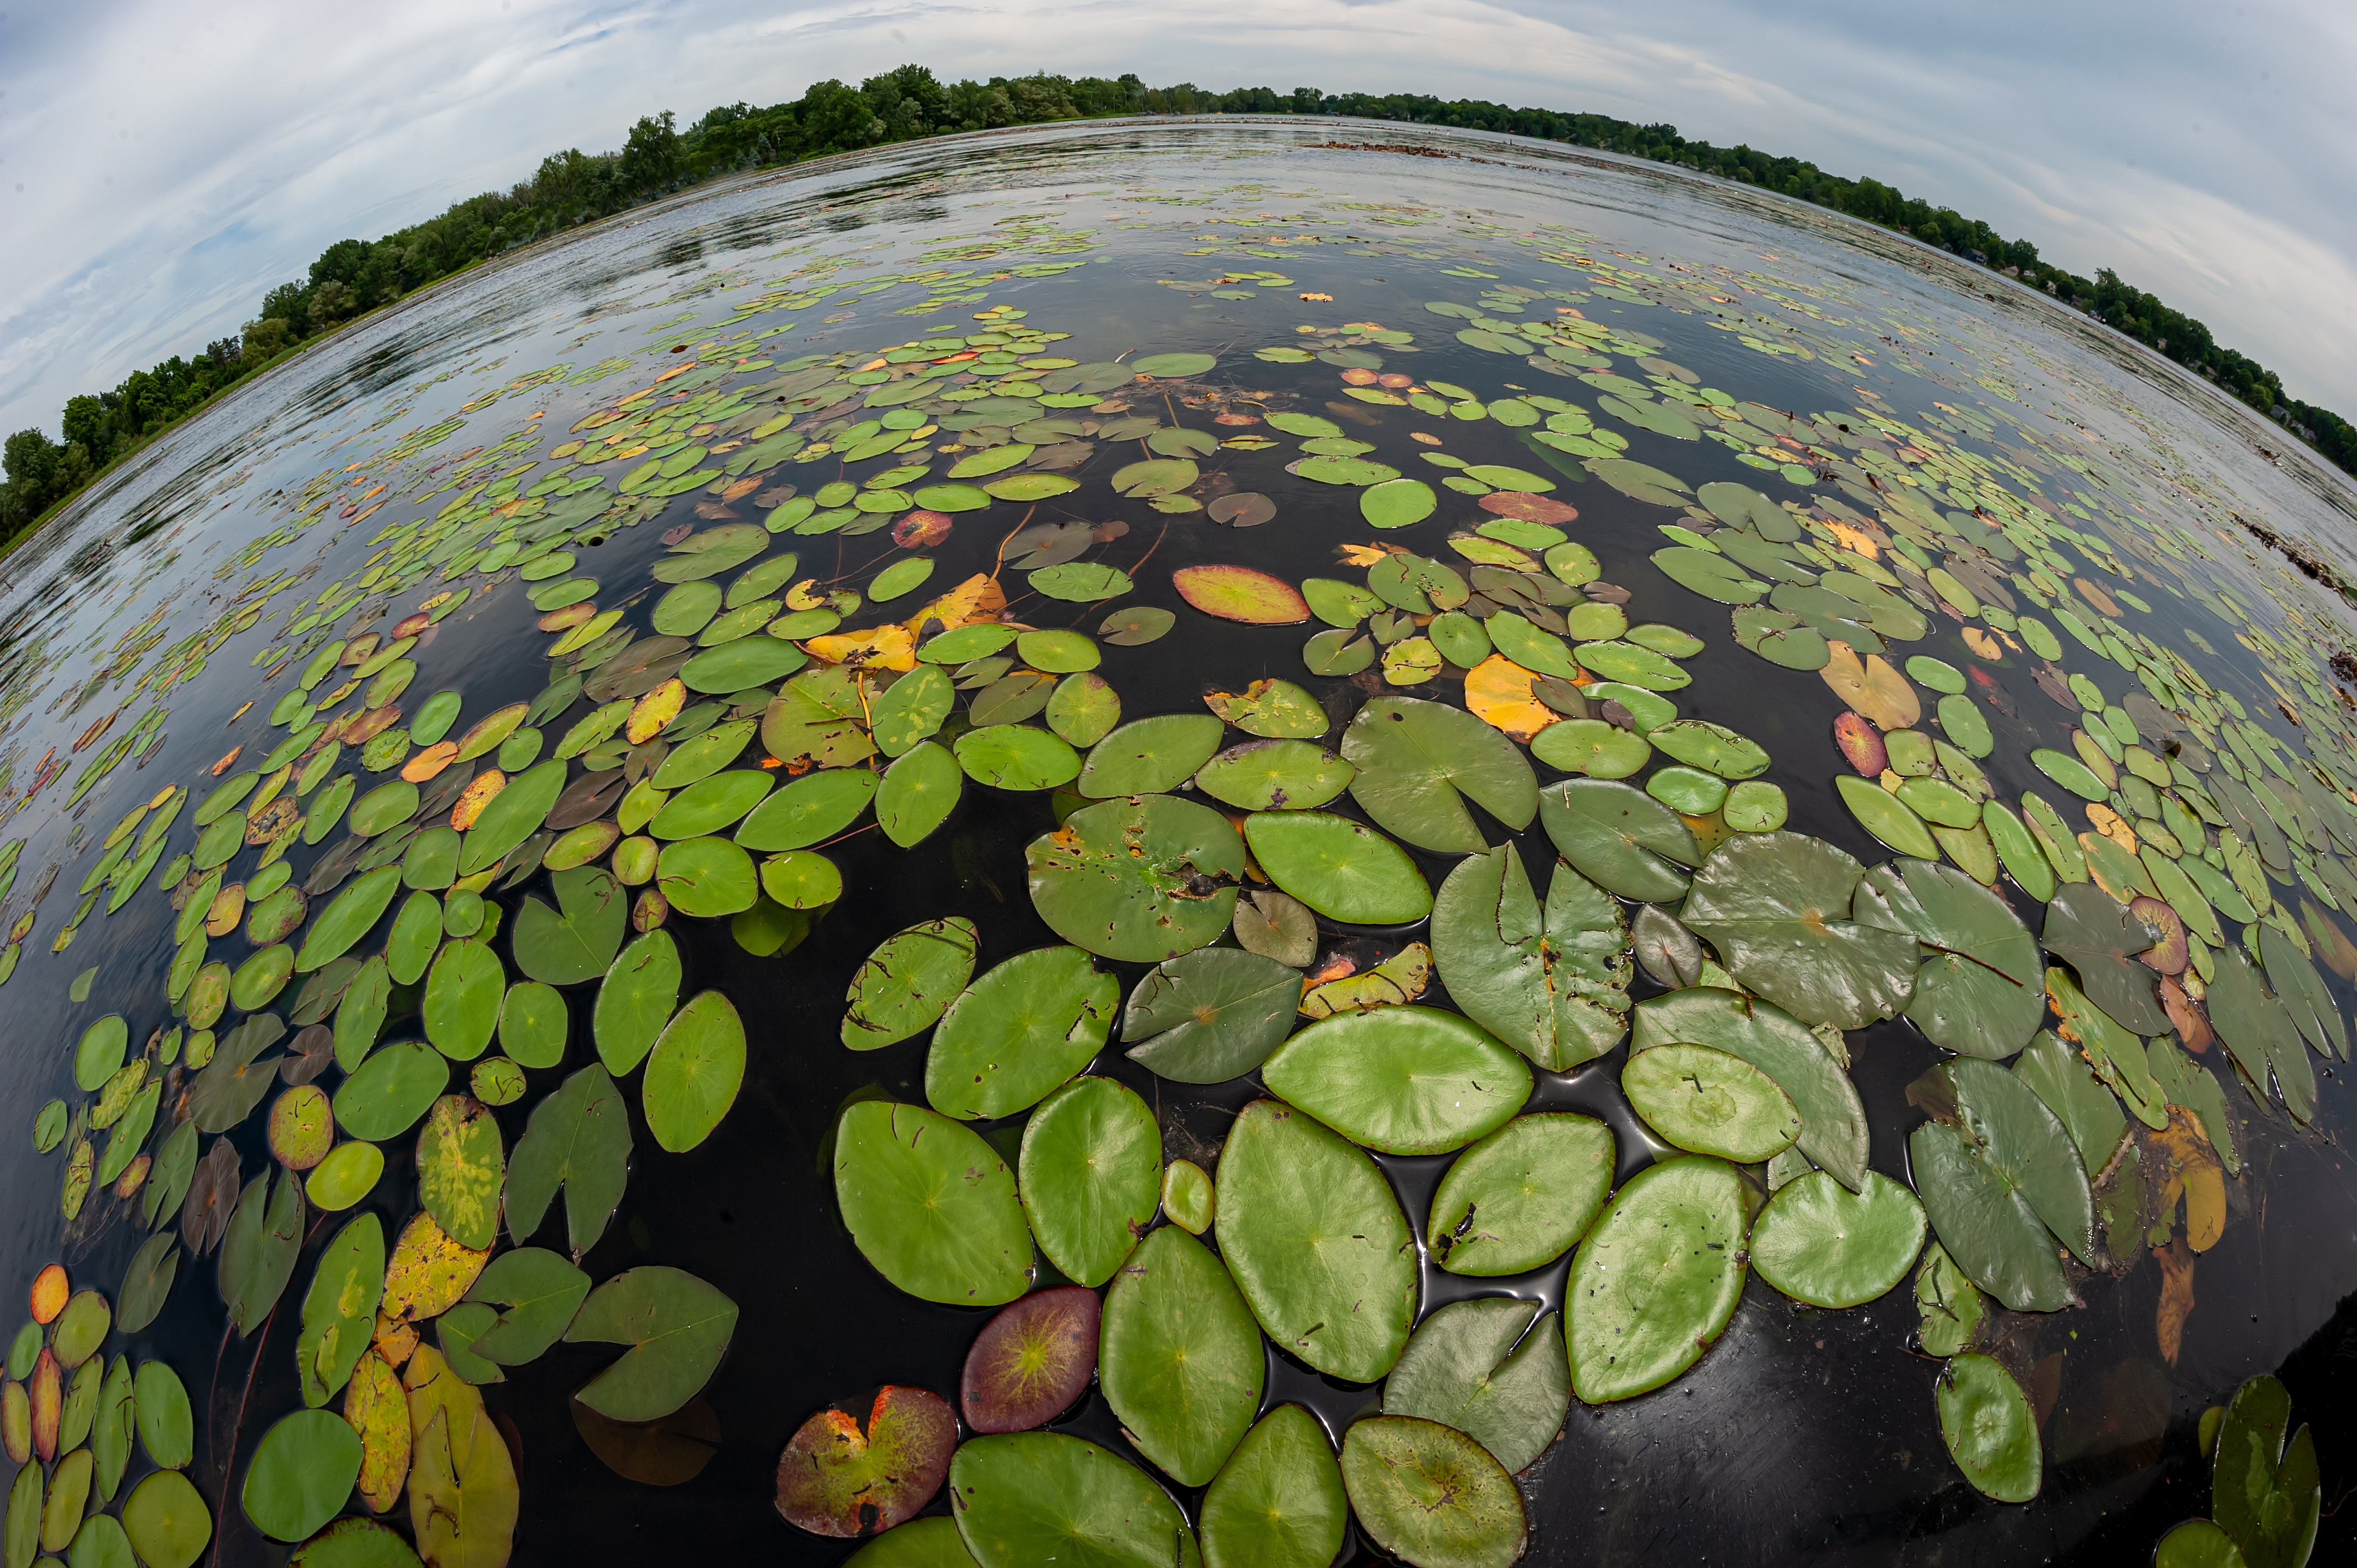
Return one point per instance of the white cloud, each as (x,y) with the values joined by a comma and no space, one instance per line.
(174,163)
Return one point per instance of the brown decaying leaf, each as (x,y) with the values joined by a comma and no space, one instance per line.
(394,1341)
(2191,1025)
(376,1408)
(666,1452)
(213,1194)
(312,1053)
(2176,1297)
(46,1386)
(829,1484)
(2195,1175)
(1606,593)
(1872,687)
(1861,745)
(1529,507)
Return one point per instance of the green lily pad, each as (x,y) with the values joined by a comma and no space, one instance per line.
(234,1081)
(931,1204)
(1776,906)
(1278,1502)
(677,1328)
(1083,709)
(2265,1492)
(580,1139)
(340,1309)
(2092,932)
(1887,817)
(1150,757)
(1834,1128)
(1396,503)
(1017,1032)
(2197,1543)
(349,1173)
(1275,775)
(1980,991)
(1519,1199)
(1427,1494)
(261,977)
(1687,790)
(1090,1174)
(640,992)
(1593,747)
(538,1293)
(1017,757)
(741,665)
(354,1542)
(350,916)
(160,1411)
(693,1073)
(463,993)
(80,1328)
(2302,989)
(1139,879)
(809,810)
(386,1094)
(98,1055)
(2018,1138)
(533,1023)
(701,757)
(1039,1496)
(1211,1015)
(1656,1279)
(1989,1428)
(580,943)
(1342,869)
(1418,763)
(1181,1363)
(1711,1102)
(113,1427)
(1986,1224)
(1552,983)
(2256,1027)
(147,1283)
(513,815)
(301,1474)
(707,877)
(1316,1241)
(711,805)
(165,1521)
(1830,1248)
(902,987)
(383,807)
(918,792)
(1715,749)
(1401,1079)
(1493,1368)
(1620,838)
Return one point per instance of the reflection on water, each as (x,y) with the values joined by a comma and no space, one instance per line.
(162,609)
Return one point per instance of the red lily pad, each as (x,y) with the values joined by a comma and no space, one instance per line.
(834,1479)
(919,529)
(2171,953)
(1031,1362)
(1528,507)
(1241,594)
(1862,744)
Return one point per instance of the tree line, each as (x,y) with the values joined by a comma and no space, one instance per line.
(659,158)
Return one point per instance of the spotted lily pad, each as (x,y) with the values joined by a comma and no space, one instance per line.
(1551,982)
(1776,906)
(1656,1279)
(1275,775)
(1139,879)
(1017,1032)
(903,986)
(1428,1494)
(1031,1362)
(837,1478)
(340,1309)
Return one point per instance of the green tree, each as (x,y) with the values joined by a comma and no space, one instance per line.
(651,156)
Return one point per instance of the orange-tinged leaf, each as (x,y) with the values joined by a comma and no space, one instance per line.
(429,1273)
(46,1386)
(918,529)
(655,710)
(226,910)
(1528,506)
(430,762)
(1497,690)
(1983,645)
(2194,1173)
(1361,555)
(377,1408)
(2176,1297)
(978,598)
(476,795)
(1861,745)
(2113,826)
(1873,688)
(2192,1028)
(1241,594)
(568,618)
(887,647)
(394,1341)
(50,1290)
(462,1483)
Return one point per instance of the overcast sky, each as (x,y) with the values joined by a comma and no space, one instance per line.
(161,165)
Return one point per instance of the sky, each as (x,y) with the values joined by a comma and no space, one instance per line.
(161,165)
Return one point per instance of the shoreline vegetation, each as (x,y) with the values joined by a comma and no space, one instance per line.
(351,279)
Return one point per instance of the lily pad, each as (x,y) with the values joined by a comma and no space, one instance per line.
(1986,1224)
(386,1094)
(1519,1199)
(1401,1079)
(1342,869)
(579,942)
(1552,983)
(640,992)
(1834,1129)
(1017,1032)
(1830,1248)
(514,815)
(166,1522)
(2018,1139)
(1038,1496)
(340,1309)
(1656,1279)
(1418,763)
(1181,1362)
(1316,1242)
(902,987)
(1211,1015)
(1241,594)
(1493,1368)
(1776,906)
(1887,817)
(1150,757)
(1711,1102)
(1139,879)
(2265,1492)
(464,990)
(1396,503)
(918,792)
(707,877)
(1278,1502)
(301,1474)
(692,1078)
(578,1138)
(1275,775)
(1017,757)
(677,1328)
(931,1204)
(1429,1495)
(1090,1174)
(1031,1362)
(837,1478)
(1989,1428)
(350,916)
(1620,838)
(461,1162)
(2092,932)
(1980,991)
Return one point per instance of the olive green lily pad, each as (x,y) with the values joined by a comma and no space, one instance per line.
(1620,838)
(580,1139)
(1139,879)
(1493,1368)
(1342,869)
(677,1328)
(1017,1032)
(640,992)
(2092,932)
(1418,764)
(2265,1492)
(931,1204)
(1211,1015)
(1980,991)
(1090,1173)
(1519,1199)
(1711,1102)
(1986,1224)
(902,987)
(166,1522)
(576,941)
(1715,749)
(1551,982)
(1656,1279)
(386,1094)
(537,1293)
(1275,775)
(1776,906)
(694,1072)
(513,815)
(1278,1502)
(1429,1495)
(809,810)
(1887,817)
(1989,1428)
(340,1309)
(463,993)
(1834,1128)
(301,1474)
(1150,757)
(711,805)
(1038,1496)
(1181,1362)
(1401,1079)
(1821,1244)
(707,876)
(1316,1241)
(1017,757)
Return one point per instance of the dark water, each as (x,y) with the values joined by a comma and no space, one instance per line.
(1801,1435)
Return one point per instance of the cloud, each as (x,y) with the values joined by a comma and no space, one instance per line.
(162,166)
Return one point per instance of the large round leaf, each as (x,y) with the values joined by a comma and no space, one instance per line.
(695,1071)
(1980,991)
(1091,1174)
(931,1204)
(1017,757)
(1620,838)
(1551,982)
(1418,763)
(1149,757)
(1139,879)
(1519,1199)
(464,990)
(1830,1247)
(1711,1102)
(1834,1131)
(1431,1495)
(1210,1015)
(301,1473)
(1181,1362)
(1344,870)
(2013,1132)
(1278,1502)
(1777,908)
(167,1520)
(707,876)
(1043,1497)
(1493,1368)
(1023,1028)
(1316,1241)
(1403,1080)
(1656,1279)
(386,1094)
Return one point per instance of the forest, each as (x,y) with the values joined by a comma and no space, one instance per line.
(659,158)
